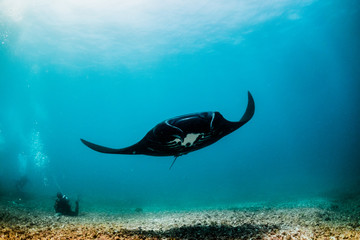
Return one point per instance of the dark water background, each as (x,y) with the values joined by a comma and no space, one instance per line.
(110,71)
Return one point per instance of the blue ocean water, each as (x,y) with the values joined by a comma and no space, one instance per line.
(109,71)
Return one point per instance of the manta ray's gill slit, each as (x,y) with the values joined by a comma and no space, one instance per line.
(203,139)
(151,149)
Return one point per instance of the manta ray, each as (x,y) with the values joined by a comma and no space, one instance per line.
(183,134)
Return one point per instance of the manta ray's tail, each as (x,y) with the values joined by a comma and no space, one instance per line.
(98,148)
(250,110)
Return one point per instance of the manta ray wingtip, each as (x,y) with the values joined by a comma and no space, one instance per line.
(250,110)
(99,148)
(250,96)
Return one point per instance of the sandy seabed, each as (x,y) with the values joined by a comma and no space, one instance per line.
(307,219)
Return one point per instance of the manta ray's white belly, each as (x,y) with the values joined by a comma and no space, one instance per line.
(189,139)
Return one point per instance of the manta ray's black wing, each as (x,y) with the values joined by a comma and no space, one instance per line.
(102,149)
(250,110)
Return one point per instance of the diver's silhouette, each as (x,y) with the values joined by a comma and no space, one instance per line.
(63,207)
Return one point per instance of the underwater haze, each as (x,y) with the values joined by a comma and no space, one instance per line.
(109,71)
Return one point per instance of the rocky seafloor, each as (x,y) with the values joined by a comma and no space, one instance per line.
(306,219)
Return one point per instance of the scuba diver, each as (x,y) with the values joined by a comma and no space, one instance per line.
(63,207)
(20,184)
